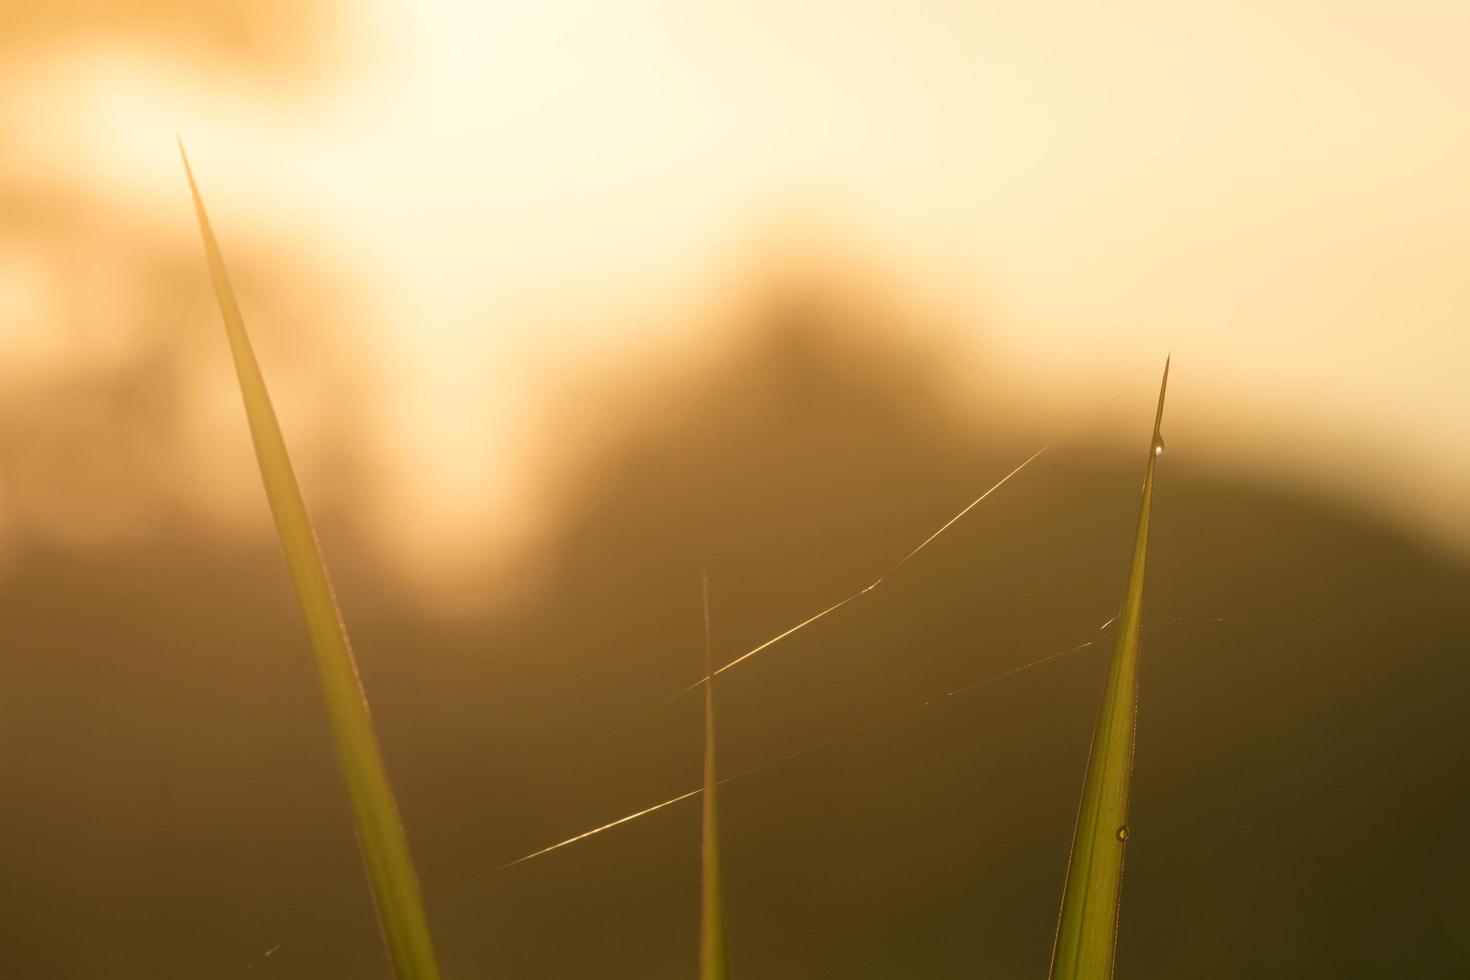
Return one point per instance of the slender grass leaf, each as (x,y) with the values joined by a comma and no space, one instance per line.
(375,813)
(1088,923)
(714,953)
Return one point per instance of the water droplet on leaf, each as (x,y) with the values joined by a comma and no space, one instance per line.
(1123,832)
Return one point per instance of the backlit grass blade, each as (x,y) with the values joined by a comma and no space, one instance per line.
(379,830)
(714,954)
(1088,923)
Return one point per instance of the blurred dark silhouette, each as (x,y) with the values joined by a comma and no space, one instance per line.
(172,809)
(109,433)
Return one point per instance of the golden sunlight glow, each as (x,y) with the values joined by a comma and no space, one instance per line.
(481,199)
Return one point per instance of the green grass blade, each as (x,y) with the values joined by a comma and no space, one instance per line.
(379,829)
(714,954)
(1088,923)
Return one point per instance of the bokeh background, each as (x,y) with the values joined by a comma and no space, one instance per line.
(561,301)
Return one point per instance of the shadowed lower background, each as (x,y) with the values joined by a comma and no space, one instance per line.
(173,808)
(559,302)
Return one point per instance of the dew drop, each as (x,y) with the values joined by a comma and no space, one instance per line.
(1158,445)
(1123,832)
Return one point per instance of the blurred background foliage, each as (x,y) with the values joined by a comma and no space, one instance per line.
(558,304)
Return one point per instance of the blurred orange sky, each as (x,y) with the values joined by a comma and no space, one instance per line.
(460,206)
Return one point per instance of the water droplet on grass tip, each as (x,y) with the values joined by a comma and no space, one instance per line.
(1123,833)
